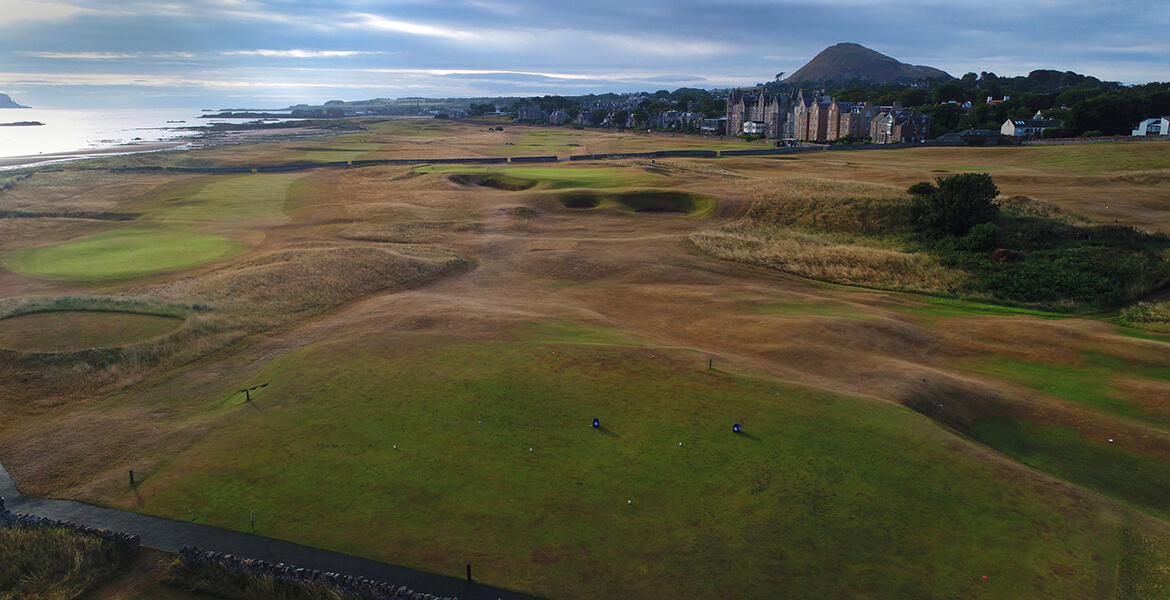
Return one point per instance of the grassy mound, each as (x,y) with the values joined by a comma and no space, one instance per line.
(826,257)
(75,330)
(121,253)
(55,564)
(841,207)
(315,277)
(483,449)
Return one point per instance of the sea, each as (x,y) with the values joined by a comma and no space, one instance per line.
(71,130)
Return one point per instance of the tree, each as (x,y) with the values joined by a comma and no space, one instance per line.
(954,206)
(913,97)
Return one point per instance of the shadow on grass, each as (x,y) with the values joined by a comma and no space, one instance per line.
(747,435)
(606,431)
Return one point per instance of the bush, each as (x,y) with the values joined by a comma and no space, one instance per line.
(922,188)
(983,237)
(1093,133)
(959,203)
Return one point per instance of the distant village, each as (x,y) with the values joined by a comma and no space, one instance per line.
(800,116)
(797,116)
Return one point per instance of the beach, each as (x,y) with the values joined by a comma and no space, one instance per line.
(35,159)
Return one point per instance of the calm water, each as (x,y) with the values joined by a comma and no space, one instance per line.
(68,130)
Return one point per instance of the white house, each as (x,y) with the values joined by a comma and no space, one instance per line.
(1155,126)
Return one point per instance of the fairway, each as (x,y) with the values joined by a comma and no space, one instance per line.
(230,198)
(482,453)
(121,253)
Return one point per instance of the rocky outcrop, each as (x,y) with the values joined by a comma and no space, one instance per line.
(6,102)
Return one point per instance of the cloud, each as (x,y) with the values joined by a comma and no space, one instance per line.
(18,10)
(300,53)
(502,47)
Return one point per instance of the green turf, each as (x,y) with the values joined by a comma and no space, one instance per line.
(225,198)
(1140,481)
(964,168)
(822,496)
(1091,382)
(935,307)
(121,253)
(560,177)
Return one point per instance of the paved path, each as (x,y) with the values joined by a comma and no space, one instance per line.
(167,534)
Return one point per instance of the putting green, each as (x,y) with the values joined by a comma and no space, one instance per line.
(121,253)
(435,454)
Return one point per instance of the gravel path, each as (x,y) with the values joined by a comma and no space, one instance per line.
(170,535)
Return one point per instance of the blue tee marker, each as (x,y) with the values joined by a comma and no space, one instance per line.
(735,428)
(597,422)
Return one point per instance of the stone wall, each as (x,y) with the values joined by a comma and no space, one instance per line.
(350,584)
(11,519)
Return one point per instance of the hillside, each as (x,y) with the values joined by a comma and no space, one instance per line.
(854,61)
(6,102)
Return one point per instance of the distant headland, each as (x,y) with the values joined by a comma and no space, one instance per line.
(22,124)
(6,102)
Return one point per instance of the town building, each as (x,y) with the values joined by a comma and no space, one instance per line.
(757,106)
(1155,126)
(1029,127)
(897,125)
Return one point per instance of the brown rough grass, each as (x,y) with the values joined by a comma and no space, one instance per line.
(847,207)
(411,232)
(314,277)
(55,564)
(776,231)
(1150,315)
(818,256)
(1039,208)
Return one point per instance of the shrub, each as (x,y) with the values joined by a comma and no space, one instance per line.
(959,203)
(983,237)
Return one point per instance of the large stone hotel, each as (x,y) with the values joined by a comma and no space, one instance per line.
(818,117)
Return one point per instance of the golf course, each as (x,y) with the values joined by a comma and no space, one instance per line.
(403,362)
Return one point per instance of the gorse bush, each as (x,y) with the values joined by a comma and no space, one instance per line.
(954,206)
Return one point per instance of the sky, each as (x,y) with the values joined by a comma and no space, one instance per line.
(273,53)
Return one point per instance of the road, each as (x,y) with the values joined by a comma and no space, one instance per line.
(167,534)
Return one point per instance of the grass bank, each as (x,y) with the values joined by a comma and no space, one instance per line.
(434,454)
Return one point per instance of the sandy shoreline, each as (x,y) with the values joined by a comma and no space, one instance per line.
(203,140)
(34,159)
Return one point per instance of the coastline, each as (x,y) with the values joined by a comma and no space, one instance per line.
(201,138)
(36,159)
